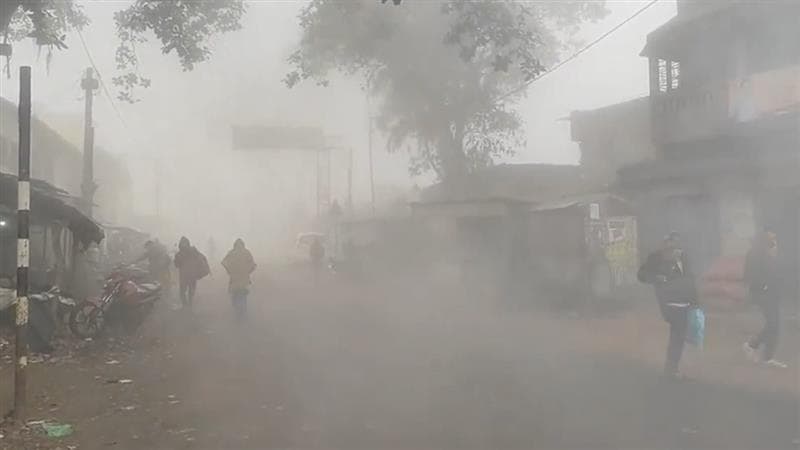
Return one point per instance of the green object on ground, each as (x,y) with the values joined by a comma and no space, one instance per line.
(57,430)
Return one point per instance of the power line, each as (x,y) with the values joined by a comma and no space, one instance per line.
(578,53)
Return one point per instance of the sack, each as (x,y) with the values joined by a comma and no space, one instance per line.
(697,327)
(726,269)
(729,291)
(203,269)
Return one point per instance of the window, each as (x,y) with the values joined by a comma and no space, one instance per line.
(662,76)
(675,75)
(669,75)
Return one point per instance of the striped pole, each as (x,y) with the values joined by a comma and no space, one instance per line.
(23,244)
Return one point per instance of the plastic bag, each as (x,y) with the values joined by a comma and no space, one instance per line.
(697,327)
(57,430)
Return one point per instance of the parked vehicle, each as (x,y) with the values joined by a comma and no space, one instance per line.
(62,305)
(126,300)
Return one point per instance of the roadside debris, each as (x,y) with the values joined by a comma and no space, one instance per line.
(119,381)
(57,430)
(112,362)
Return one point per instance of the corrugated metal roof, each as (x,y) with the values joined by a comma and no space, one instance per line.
(51,203)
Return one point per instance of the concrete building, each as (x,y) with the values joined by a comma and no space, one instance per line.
(723,155)
(56,159)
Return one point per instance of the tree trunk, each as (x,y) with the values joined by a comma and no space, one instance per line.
(454,162)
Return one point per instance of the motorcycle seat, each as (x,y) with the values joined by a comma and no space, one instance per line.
(147,287)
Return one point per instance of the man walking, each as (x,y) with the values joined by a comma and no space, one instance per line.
(240,265)
(192,266)
(316,253)
(667,269)
(761,273)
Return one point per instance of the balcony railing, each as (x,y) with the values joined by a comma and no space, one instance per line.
(724,108)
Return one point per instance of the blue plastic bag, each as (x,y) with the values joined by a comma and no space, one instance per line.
(697,327)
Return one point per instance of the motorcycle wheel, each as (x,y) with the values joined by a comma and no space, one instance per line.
(86,320)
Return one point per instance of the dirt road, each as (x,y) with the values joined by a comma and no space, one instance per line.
(399,367)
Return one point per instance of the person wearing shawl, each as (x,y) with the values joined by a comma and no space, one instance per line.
(240,265)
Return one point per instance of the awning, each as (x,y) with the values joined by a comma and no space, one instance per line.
(49,203)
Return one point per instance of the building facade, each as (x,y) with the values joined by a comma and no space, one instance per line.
(724,110)
(56,159)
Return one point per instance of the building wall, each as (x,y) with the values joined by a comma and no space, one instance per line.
(738,222)
(613,137)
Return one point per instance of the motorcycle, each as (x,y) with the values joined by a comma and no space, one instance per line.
(63,304)
(127,298)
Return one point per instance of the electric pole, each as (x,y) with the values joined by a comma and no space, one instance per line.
(23,246)
(350,181)
(157,184)
(369,143)
(89,84)
(371,171)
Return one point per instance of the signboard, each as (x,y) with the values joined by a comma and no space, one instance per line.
(278,138)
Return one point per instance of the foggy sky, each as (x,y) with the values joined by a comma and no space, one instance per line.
(184,119)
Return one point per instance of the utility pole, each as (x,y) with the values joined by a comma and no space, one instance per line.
(23,245)
(157,184)
(318,181)
(369,147)
(89,84)
(350,181)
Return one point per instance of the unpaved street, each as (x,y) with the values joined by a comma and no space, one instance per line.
(397,367)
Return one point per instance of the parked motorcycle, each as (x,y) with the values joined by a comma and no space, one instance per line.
(45,310)
(62,304)
(127,298)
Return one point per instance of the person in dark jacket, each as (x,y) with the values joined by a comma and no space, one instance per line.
(316,253)
(240,265)
(668,270)
(192,266)
(761,274)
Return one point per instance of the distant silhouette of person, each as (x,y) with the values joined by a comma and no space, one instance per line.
(761,273)
(192,266)
(240,265)
(316,253)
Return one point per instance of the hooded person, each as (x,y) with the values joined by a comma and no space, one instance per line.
(240,265)
(192,266)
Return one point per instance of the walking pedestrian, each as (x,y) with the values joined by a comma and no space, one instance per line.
(158,263)
(240,265)
(668,270)
(761,273)
(192,266)
(317,255)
